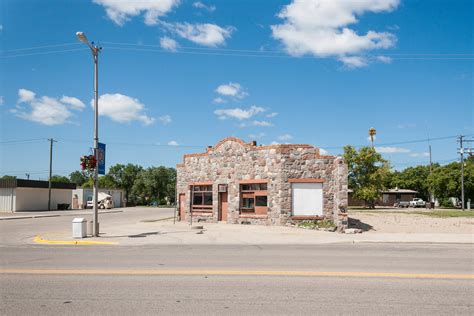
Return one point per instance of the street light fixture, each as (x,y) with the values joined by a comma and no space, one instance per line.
(95,54)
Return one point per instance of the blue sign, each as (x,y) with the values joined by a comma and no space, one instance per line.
(101,162)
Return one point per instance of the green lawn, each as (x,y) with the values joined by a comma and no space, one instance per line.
(434,213)
(447,213)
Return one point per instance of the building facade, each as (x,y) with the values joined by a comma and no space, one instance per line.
(242,183)
(32,195)
(388,198)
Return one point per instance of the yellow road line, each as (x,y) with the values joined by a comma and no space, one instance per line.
(240,273)
(39,240)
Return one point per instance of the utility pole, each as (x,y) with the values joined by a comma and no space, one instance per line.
(461,151)
(431,172)
(51,141)
(27,176)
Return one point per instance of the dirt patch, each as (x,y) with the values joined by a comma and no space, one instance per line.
(409,223)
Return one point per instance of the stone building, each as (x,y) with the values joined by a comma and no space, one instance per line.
(242,183)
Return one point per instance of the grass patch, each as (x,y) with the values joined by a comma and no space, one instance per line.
(447,213)
(317,224)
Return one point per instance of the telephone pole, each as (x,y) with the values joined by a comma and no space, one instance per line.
(461,151)
(51,141)
(431,172)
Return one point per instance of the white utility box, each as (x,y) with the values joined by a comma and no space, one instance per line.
(79,228)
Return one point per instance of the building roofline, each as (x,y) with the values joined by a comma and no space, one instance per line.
(252,146)
(23,183)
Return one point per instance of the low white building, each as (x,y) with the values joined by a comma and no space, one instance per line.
(81,195)
(32,195)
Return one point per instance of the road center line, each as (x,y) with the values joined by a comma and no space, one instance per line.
(240,273)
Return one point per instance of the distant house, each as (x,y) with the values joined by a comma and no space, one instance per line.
(32,195)
(388,198)
(243,183)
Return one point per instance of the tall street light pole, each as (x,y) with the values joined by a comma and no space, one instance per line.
(95,54)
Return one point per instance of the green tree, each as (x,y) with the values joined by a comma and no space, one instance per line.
(105,182)
(368,173)
(7,177)
(57,178)
(413,178)
(124,176)
(155,184)
(78,178)
(445,181)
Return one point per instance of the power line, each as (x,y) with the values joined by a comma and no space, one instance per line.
(45,53)
(40,47)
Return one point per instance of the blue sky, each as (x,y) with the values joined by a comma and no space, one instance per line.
(189,73)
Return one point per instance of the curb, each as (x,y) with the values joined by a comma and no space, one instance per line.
(51,215)
(39,240)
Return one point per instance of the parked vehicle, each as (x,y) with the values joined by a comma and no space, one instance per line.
(402,204)
(105,201)
(417,202)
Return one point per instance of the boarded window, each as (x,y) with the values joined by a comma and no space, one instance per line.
(307,199)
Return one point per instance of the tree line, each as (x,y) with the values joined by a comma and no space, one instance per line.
(142,186)
(370,174)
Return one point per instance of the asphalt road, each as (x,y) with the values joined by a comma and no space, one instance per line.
(239,279)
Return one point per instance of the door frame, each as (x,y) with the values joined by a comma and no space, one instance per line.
(219,212)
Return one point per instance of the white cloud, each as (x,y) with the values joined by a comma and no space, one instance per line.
(120,11)
(200,5)
(168,43)
(353,61)
(45,110)
(274,143)
(238,113)
(392,150)
(2,101)
(165,119)
(285,137)
(232,89)
(261,123)
(173,143)
(323,152)
(256,136)
(320,28)
(75,103)
(219,100)
(384,59)
(25,96)
(425,154)
(205,34)
(123,109)
(273,114)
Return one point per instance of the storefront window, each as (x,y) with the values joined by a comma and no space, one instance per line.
(253,198)
(202,196)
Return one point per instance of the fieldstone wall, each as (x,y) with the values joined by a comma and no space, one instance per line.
(232,161)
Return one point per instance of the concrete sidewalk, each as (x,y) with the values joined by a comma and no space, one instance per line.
(164,232)
(40,214)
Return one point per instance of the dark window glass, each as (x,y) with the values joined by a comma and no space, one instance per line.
(197,188)
(263,186)
(245,187)
(261,201)
(247,202)
(207,198)
(197,200)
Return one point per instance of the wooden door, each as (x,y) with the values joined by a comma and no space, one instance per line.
(223,207)
(182,210)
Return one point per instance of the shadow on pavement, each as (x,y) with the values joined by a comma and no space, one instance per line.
(355,223)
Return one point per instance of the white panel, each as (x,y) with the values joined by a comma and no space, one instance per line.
(7,199)
(36,199)
(307,199)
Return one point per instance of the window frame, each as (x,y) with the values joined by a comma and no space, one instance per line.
(202,191)
(251,191)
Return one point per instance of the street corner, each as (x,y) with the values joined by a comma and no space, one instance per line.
(55,239)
